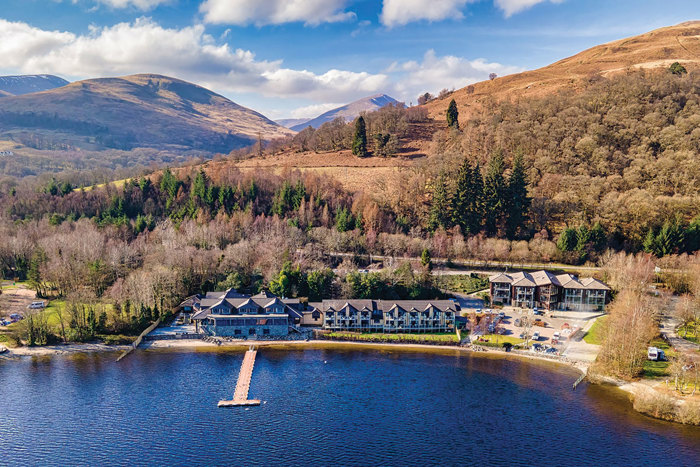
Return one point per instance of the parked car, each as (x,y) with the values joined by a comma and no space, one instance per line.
(536,347)
(536,336)
(537,311)
(36,305)
(551,350)
(14,317)
(501,315)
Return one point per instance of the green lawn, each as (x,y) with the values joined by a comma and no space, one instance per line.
(499,339)
(690,332)
(659,369)
(409,338)
(464,283)
(9,285)
(595,334)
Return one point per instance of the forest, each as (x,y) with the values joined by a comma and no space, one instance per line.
(570,178)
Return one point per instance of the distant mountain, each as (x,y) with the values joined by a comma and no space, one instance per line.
(25,84)
(349,112)
(149,111)
(290,122)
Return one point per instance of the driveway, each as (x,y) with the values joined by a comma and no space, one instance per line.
(669,325)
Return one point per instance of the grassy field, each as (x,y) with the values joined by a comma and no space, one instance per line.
(116,183)
(499,340)
(659,369)
(9,285)
(595,334)
(464,283)
(443,338)
(690,332)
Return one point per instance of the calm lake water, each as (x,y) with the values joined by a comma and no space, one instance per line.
(362,407)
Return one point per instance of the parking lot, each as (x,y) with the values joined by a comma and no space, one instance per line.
(545,324)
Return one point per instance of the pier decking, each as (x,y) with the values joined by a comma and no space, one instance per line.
(240,397)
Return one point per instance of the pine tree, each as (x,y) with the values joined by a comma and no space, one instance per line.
(439,209)
(649,244)
(568,240)
(452,115)
(425,259)
(467,199)
(518,201)
(495,194)
(359,141)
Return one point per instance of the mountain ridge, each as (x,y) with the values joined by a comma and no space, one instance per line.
(348,111)
(144,110)
(17,85)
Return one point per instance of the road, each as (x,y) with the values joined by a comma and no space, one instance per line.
(669,325)
(465,266)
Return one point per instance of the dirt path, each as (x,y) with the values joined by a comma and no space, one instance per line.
(669,325)
(16,300)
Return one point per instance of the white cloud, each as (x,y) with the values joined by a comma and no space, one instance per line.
(188,53)
(447,72)
(261,12)
(400,12)
(510,7)
(313,111)
(140,4)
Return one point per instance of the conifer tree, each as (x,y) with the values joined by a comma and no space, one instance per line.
(359,141)
(495,194)
(518,202)
(452,115)
(467,199)
(439,215)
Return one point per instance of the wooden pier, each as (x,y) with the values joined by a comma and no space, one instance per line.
(240,397)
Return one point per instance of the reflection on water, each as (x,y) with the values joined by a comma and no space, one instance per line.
(343,407)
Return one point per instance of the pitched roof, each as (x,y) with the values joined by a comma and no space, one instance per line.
(569,281)
(594,284)
(523,279)
(501,277)
(544,278)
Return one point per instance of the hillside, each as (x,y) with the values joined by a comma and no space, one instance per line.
(348,112)
(147,111)
(26,84)
(655,49)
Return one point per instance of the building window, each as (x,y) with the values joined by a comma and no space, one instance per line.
(237,332)
(251,331)
(266,332)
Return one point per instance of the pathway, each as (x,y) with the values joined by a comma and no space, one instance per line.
(668,327)
(240,397)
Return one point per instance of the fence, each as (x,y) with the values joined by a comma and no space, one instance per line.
(138,340)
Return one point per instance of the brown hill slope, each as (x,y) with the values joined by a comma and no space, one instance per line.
(136,111)
(658,48)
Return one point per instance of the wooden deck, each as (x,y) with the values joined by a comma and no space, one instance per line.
(240,396)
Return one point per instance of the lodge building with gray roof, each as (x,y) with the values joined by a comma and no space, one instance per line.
(233,314)
(543,289)
(388,315)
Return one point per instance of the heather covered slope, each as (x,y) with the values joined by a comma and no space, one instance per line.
(134,111)
(655,49)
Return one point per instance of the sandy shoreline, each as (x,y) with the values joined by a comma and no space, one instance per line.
(202,346)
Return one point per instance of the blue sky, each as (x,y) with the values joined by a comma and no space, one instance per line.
(297,58)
